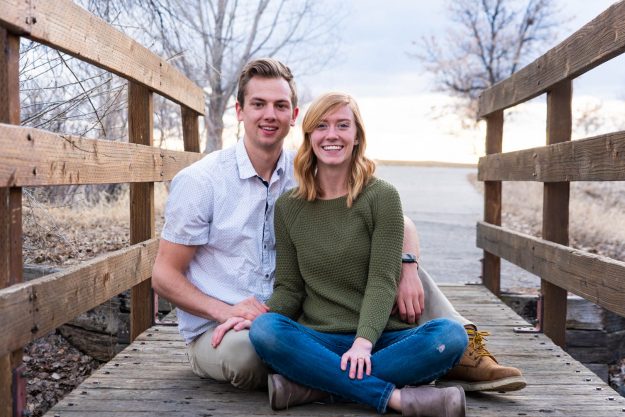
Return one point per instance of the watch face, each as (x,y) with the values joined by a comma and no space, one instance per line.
(408,258)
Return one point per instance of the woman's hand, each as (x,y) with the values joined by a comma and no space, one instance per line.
(359,358)
(236,323)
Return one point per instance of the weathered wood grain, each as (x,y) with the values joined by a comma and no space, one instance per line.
(9,78)
(558,384)
(68,27)
(556,210)
(596,278)
(491,265)
(11,263)
(34,308)
(33,157)
(142,227)
(190,129)
(10,199)
(595,43)
(600,158)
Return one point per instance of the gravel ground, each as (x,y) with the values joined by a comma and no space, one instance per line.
(53,368)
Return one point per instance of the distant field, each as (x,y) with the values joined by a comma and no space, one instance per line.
(596,213)
(425,164)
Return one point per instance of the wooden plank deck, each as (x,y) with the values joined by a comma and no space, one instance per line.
(152,377)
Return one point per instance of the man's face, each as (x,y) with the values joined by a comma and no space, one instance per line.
(267,114)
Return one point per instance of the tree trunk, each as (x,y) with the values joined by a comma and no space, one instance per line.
(214,130)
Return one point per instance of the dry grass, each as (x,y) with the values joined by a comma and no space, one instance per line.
(596,213)
(63,235)
(60,236)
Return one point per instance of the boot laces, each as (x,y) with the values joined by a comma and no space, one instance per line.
(477,340)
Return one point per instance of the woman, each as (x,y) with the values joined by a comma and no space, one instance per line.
(339,239)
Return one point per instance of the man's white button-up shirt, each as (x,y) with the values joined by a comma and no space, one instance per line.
(222,206)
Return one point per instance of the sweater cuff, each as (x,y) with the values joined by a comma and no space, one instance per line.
(368,333)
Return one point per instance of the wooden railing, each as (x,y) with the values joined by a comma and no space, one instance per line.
(601,158)
(31,157)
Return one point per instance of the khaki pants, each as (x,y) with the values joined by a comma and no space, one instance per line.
(437,306)
(235,360)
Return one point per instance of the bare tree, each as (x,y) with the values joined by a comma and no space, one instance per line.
(209,40)
(592,116)
(489,41)
(212,40)
(63,94)
(588,118)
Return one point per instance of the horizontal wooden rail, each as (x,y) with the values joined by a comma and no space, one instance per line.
(598,41)
(68,27)
(596,278)
(32,157)
(32,309)
(600,158)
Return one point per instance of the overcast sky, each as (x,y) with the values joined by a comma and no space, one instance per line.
(377,37)
(396,97)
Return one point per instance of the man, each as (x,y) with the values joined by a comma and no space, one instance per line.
(216,257)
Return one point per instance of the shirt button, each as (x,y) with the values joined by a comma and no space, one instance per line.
(265,246)
(266,275)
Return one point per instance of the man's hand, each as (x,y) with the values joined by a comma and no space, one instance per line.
(358,357)
(236,323)
(249,309)
(410,300)
(238,317)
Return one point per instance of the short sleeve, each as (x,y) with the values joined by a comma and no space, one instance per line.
(189,210)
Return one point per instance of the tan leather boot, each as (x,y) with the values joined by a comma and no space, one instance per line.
(478,370)
(284,393)
(427,401)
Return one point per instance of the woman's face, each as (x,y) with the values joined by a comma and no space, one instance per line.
(334,137)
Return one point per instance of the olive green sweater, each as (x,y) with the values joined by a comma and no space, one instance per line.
(337,268)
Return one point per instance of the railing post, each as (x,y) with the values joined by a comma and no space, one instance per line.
(556,209)
(491,266)
(12,387)
(140,130)
(190,129)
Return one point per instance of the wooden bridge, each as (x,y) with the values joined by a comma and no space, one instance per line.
(152,377)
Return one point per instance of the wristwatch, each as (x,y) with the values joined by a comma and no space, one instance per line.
(409,258)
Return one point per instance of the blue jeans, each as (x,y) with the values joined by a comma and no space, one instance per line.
(406,357)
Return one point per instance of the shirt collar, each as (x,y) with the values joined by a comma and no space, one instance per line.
(246,169)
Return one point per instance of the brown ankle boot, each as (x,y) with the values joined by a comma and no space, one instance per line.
(284,393)
(426,401)
(478,369)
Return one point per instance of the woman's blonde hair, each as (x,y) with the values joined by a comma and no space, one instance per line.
(361,168)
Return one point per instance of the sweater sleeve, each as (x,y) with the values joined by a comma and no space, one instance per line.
(288,291)
(384,264)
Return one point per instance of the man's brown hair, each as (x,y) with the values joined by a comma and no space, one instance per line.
(265,68)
